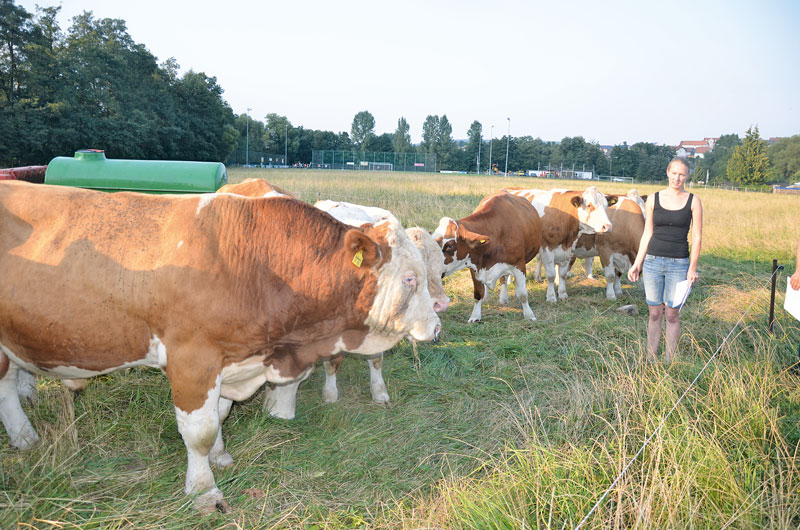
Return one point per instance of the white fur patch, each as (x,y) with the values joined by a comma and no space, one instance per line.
(180,243)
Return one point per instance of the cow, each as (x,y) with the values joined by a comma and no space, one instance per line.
(565,216)
(499,238)
(585,248)
(253,187)
(617,249)
(222,292)
(357,215)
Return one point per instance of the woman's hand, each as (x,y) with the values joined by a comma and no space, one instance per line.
(692,275)
(795,279)
(633,272)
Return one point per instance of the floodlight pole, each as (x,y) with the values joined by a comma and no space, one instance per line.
(286,145)
(247,141)
(508,140)
(491,140)
(478,165)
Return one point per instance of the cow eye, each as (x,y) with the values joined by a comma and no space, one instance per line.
(410,280)
(450,246)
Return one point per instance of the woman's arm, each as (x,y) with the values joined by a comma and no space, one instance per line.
(795,279)
(697,238)
(636,268)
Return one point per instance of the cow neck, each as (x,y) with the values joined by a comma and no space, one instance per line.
(293,274)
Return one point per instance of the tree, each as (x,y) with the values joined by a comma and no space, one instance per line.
(362,129)
(715,162)
(401,141)
(474,143)
(749,163)
(785,157)
(430,132)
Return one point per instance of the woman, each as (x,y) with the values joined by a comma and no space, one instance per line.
(664,258)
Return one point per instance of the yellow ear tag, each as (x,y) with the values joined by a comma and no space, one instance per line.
(483,241)
(358,258)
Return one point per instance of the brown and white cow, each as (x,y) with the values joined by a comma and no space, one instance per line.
(617,249)
(565,216)
(253,187)
(222,292)
(357,215)
(497,239)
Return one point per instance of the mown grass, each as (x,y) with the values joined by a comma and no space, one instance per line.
(505,424)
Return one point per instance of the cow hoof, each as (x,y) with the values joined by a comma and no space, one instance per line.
(330,397)
(474,321)
(502,301)
(382,398)
(281,415)
(563,297)
(221,461)
(211,501)
(551,299)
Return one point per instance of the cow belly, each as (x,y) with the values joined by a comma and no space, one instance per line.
(241,380)
(489,276)
(582,253)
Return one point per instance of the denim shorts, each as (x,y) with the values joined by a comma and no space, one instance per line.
(660,276)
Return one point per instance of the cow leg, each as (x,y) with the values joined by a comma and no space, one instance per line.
(503,298)
(621,263)
(26,386)
(282,399)
(522,293)
(20,431)
(478,291)
(380,394)
(610,273)
(588,263)
(563,269)
(569,267)
(330,394)
(199,428)
(218,456)
(546,257)
(537,274)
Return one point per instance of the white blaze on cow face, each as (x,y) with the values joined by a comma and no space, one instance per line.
(402,302)
(592,214)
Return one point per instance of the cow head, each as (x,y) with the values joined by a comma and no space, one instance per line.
(434,266)
(459,245)
(402,304)
(591,208)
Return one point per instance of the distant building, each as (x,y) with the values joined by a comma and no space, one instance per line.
(695,148)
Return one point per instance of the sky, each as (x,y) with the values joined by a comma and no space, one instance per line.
(610,71)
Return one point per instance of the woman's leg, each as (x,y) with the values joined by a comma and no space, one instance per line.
(654,331)
(673,334)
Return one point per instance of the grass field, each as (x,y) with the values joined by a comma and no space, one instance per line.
(503,424)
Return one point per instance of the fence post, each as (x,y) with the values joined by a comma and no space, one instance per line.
(772,296)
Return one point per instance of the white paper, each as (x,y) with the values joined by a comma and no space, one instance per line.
(682,290)
(792,303)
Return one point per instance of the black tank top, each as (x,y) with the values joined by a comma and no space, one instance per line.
(670,230)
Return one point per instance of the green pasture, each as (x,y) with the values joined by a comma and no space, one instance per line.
(503,424)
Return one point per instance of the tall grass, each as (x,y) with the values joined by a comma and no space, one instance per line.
(505,424)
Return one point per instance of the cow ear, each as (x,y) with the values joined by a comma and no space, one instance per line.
(577,201)
(361,249)
(612,199)
(644,197)
(473,239)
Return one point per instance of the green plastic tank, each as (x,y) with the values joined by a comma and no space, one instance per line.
(91,169)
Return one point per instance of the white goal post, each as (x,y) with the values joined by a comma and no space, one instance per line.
(381,166)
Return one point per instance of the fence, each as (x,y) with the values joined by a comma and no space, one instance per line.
(360,160)
(255,158)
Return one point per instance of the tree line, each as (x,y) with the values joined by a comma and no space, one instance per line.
(93,86)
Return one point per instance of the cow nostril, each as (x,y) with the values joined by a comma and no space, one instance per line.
(440,305)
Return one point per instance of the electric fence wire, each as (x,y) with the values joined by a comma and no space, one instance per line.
(661,424)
